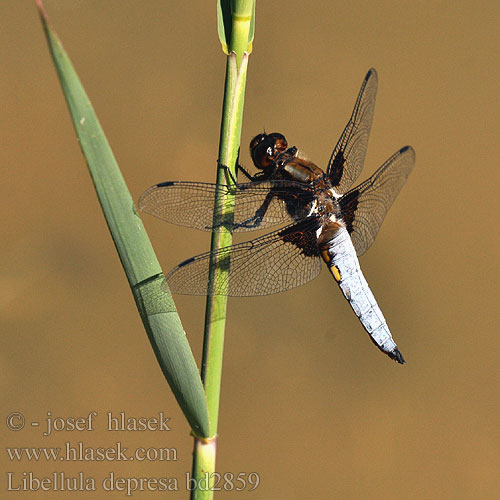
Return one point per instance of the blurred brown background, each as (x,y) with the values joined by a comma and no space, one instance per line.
(308,402)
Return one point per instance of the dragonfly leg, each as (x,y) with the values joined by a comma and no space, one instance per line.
(256,220)
(239,167)
(245,172)
(227,171)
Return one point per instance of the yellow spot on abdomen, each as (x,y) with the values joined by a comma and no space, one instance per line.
(336,273)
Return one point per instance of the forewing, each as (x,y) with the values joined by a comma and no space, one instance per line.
(365,206)
(191,204)
(348,157)
(273,263)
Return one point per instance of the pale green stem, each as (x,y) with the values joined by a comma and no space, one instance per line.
(215,313)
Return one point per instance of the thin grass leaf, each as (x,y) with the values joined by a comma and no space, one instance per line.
(139,261)
(243,11)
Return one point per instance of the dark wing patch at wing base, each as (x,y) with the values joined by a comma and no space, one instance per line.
(273,263)
(303,237)
(348,205)
(336,168)
(365,206)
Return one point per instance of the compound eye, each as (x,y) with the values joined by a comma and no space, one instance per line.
(280,142)
(261,155)
(256,141)
(265,148)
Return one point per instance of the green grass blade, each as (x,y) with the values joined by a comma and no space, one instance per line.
(139,261)
(224,23)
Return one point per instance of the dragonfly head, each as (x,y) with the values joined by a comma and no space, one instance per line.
(265,149)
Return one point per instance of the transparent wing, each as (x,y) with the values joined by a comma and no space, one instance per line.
(348,157)
(365,206)
(273,263)
(258,205)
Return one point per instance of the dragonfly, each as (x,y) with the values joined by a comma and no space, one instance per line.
(322,219)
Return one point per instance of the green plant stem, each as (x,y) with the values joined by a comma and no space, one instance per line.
(215,313)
